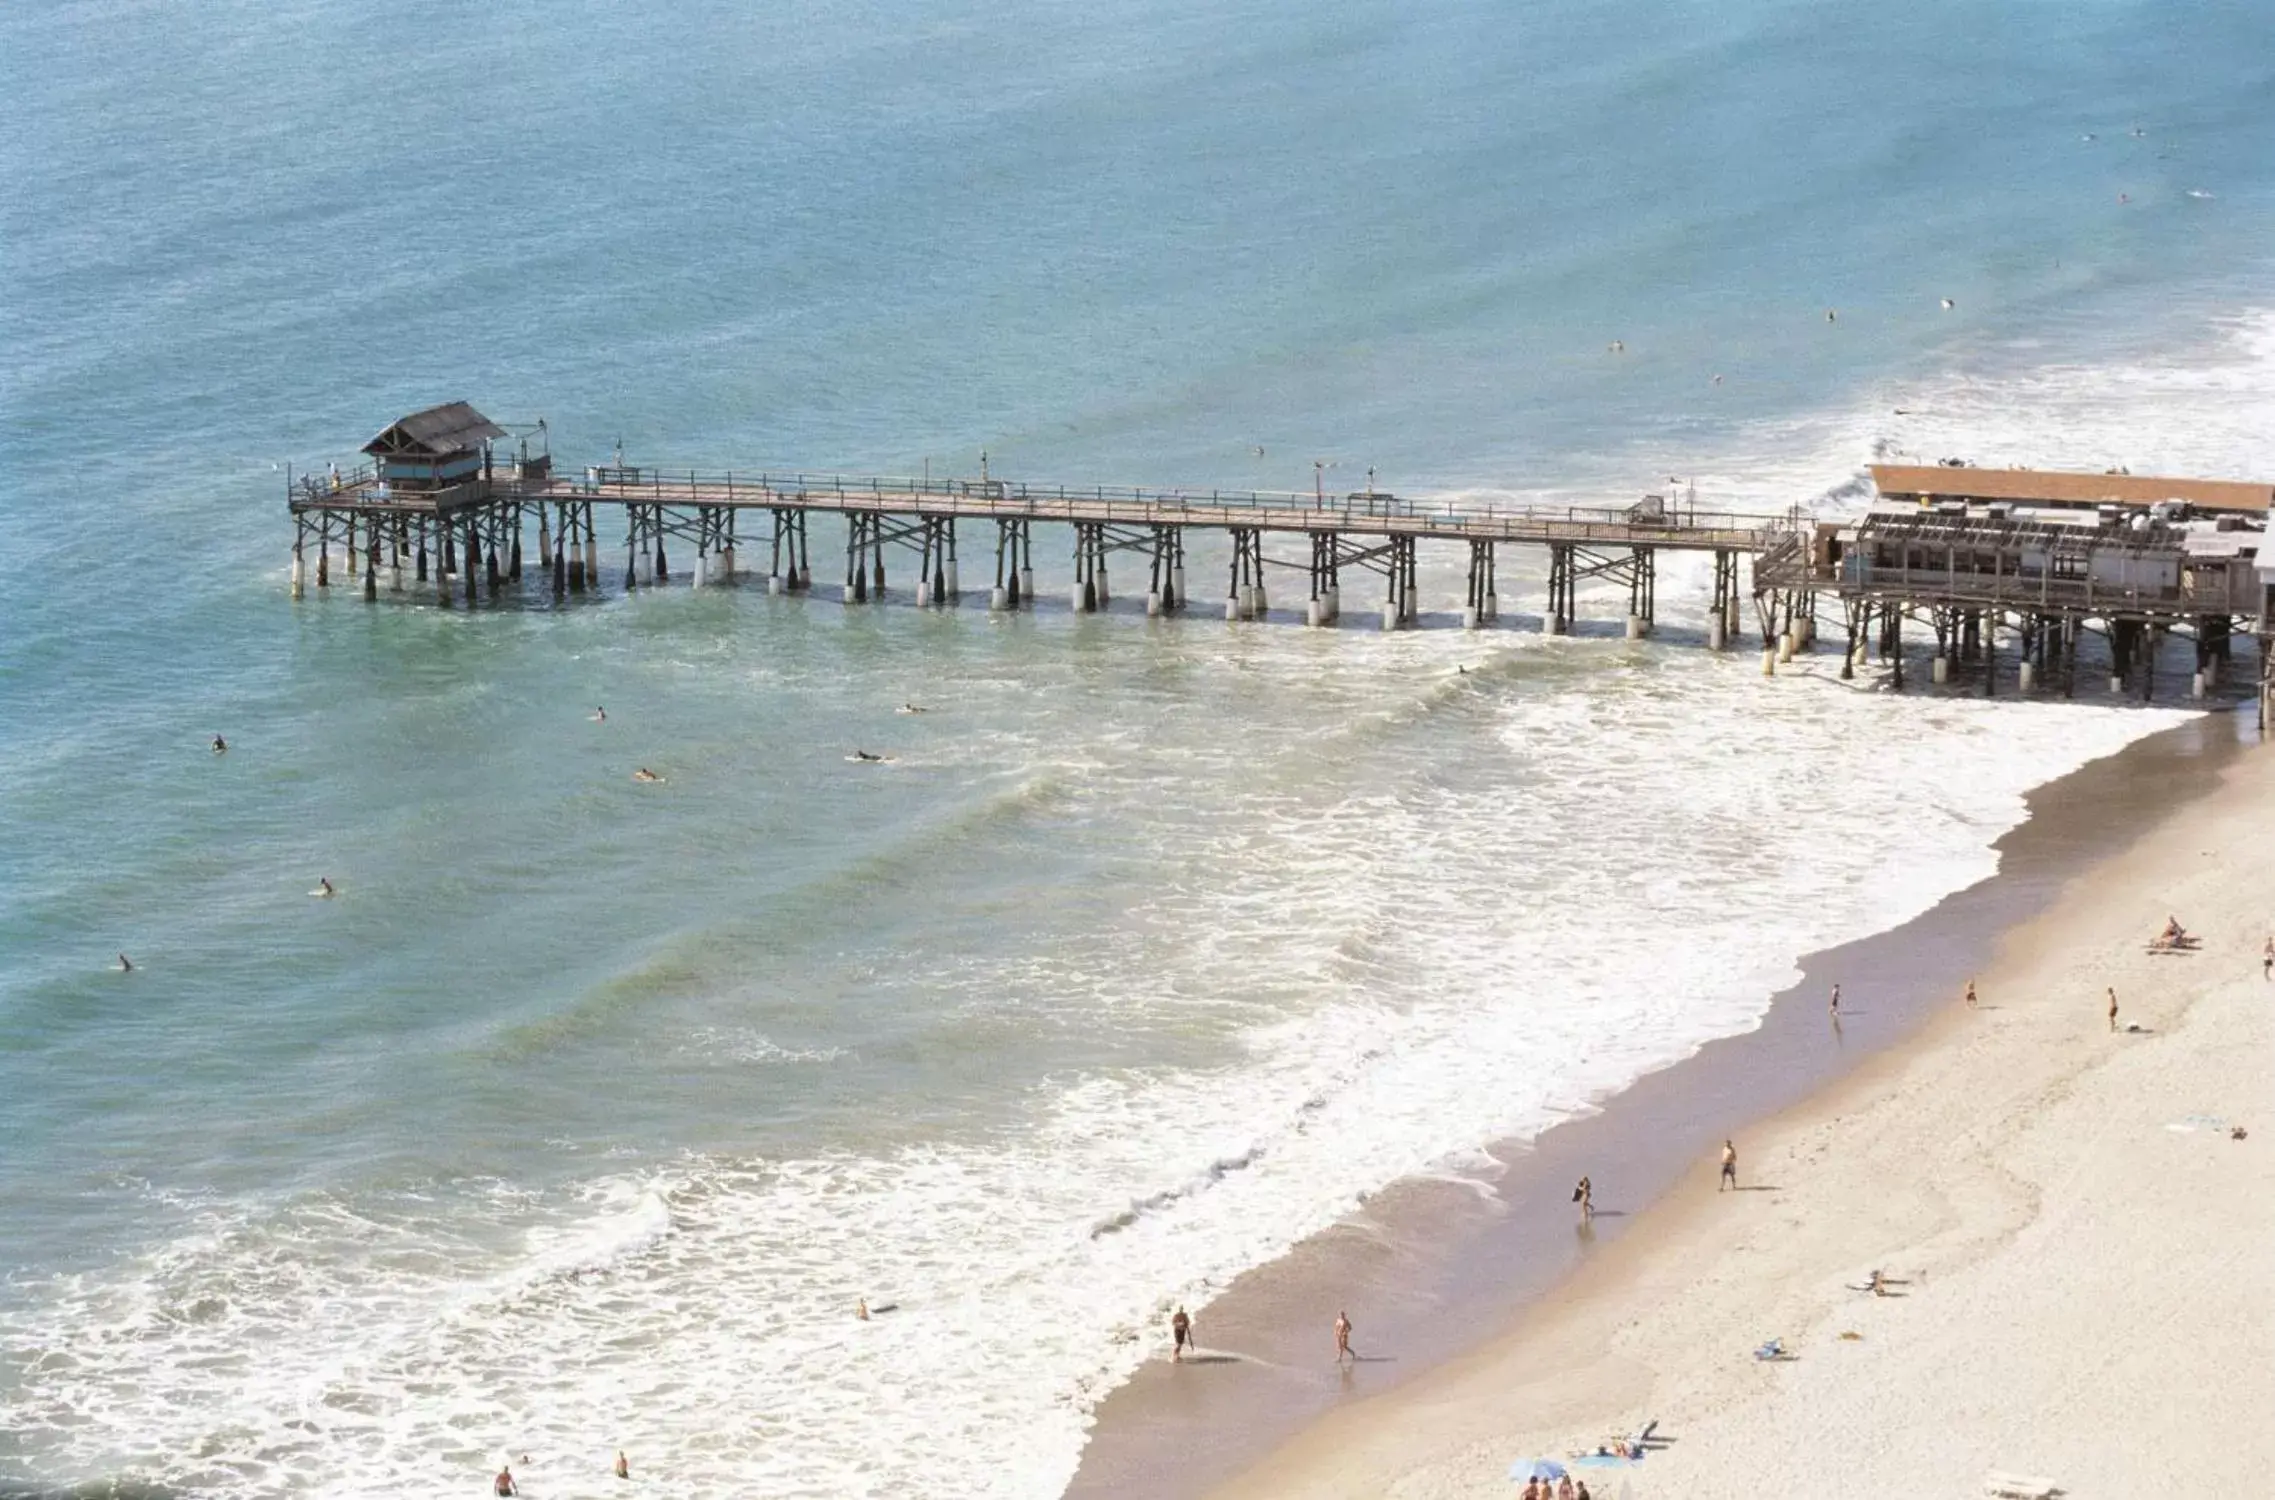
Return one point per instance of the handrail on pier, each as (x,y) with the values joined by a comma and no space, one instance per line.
(1132,504)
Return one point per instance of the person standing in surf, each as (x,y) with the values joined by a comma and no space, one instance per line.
(1343,1338)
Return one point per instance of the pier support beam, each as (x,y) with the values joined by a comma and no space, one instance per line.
(1481,602)
(1563,589)
(1642,592)
(1244,594)
(1014,565)
(1722,612)
(1165,587)
(1401,605)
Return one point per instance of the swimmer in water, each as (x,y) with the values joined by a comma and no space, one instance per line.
(908,708)
(323,891)
(623,1465)
(125,964)
(1831,316)
(599,715)
(503,1484)
(1948,304)
(220,745)
(644,774)
(867,758)
(861,1309)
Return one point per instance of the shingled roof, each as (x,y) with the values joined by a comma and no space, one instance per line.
(452,427)
(2039,486)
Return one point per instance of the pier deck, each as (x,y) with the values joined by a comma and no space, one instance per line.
(1357,514)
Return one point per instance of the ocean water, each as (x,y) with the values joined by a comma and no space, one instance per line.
(584,1115)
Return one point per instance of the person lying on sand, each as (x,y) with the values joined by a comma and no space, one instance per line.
(2174,935)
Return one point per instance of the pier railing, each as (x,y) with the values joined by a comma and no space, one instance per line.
(1139,505)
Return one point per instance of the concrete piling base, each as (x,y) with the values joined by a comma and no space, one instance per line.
(1939,670)
(1635,627)
(1472,617)
(1716,640)
(998,600)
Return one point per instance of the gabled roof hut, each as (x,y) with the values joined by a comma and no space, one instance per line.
(431,449)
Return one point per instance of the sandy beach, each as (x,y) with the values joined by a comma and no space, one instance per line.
(2078,1247)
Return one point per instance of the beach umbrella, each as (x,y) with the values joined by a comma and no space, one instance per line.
(1536,1468)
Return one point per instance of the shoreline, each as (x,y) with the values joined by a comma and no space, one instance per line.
(1435,1271)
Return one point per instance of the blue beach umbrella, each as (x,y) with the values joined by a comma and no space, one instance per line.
(1536,1468)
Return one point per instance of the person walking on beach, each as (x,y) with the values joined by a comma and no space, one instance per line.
(1836,1004)
(1343,1338)
(1180,1334)
(2267,960)
(2113,1007)
(1970,994)
(1729,1167)
(1584,1194)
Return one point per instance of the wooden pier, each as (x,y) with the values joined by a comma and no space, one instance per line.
(456,512)
(449,497)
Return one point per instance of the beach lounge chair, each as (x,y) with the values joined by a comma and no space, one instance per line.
(2019,1486)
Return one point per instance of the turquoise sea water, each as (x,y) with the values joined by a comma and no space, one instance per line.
(583,1115)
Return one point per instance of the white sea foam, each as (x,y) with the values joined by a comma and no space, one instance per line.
(1478,951)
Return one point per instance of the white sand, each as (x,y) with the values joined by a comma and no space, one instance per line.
(2091,1297)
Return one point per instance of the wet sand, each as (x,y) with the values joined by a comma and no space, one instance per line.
(1431,1270)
